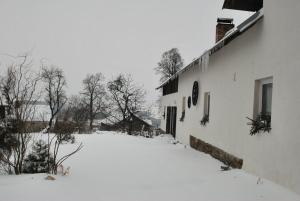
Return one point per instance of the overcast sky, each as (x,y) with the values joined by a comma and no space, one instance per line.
(109,36)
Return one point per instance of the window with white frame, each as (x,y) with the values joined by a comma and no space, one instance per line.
(206,103)
(206,109)
(183,104)
(183,109)
(263,98)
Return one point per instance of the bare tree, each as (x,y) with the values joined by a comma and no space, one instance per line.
(127,97)
(55,96)
(78,112)
(19,93)
(94,95)
(55,83)
(171,62)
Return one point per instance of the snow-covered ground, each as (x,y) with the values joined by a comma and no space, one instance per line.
(125,168)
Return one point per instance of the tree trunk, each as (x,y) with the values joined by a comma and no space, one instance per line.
(91,124)
(50,124)
(91,113)
(16,169)
(48,153)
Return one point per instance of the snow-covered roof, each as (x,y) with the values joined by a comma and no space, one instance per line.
(203,60)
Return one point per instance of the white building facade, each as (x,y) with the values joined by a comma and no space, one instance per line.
(253,71)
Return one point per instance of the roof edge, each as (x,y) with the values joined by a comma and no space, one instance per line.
(229,36)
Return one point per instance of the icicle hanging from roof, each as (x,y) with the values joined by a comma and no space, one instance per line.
(204,61)
(200,63)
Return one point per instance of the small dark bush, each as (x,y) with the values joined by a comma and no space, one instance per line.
(37,161)
(64,127)
(64,131)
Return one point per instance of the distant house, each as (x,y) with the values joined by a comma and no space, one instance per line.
(36,121)
(252,71)
(134,125)
(40,117)
(150,118)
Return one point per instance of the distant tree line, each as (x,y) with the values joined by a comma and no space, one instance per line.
(21,87)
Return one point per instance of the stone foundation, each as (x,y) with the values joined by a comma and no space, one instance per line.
(215,152)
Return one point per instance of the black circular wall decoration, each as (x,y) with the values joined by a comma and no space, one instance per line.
(195,93)
(189,102)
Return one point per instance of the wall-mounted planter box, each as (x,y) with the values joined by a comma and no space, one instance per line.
(261,124)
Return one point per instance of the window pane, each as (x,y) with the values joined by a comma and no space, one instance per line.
(267,98)
(206,103)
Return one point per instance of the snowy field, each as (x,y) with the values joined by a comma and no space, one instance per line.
(115,167)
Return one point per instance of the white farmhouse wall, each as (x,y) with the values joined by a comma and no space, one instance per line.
(270,48)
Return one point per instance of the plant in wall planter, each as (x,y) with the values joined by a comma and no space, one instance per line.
(204,120)
(262,123)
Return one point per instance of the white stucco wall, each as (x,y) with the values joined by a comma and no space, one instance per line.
(270,48)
